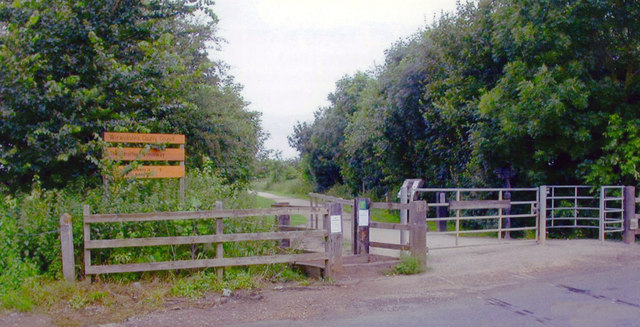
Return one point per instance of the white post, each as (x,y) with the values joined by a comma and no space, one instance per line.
(542,214)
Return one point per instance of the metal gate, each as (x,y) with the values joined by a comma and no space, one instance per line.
(583,208)
(459,215)
(611,210)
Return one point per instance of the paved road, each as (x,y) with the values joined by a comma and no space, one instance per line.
(597,297)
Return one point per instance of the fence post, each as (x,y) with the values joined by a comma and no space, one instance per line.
(282,221)
(542,214)
(507,220)
(361,217)
(404,198)
(441,212)
(66,246)
(219,246)
(629,215)
(418,231)
(333,246)
(86,211)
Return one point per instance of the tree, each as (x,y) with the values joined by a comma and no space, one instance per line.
(70,70)
(321,143)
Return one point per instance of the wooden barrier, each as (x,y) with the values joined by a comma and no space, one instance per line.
(330,256)
(416,227)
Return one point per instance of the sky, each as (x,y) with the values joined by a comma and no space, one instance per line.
(288,54)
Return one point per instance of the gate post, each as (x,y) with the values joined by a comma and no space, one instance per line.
(441,212)
(66,245)
(418,231)
(406,195)
(333,246)
(629,215)
(542,214)
(361,218)
(282,222)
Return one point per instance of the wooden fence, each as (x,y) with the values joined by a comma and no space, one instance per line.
(314,202)
(416,227)
(331,256)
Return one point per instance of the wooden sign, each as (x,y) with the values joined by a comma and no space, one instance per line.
(131,154)
(155,172)
(113,137)
(141,154)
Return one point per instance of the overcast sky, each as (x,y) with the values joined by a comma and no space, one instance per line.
(288,54)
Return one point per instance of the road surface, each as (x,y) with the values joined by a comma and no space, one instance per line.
(596,297)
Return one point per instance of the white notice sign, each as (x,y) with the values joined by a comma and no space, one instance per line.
(336,224)
(363,217)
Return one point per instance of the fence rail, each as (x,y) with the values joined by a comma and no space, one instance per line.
(219,238)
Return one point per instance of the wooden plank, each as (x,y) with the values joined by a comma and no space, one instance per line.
(479,204)
(154,138)
(204,263)
(333,199)
(390,205)
(155,172)
(199,239)
(375,224)
(130,154)
(296,228)
(204,214)
(389,246)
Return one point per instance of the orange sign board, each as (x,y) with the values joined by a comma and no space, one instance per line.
(156,172)
(130,154)
(114,137)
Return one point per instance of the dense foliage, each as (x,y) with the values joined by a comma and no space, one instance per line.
(70,70)
(502,92)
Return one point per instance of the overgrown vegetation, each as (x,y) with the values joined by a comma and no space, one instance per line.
(71,70)
(31,248)
(499,93)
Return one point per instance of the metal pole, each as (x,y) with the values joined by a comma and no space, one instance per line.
(603,212)
(500,217)
(457,218)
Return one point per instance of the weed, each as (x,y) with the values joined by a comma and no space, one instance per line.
(409,265)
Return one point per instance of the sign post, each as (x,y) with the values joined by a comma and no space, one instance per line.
(361,220)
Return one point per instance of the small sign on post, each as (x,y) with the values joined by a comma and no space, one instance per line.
(363,213)
(336,224)
(361,226)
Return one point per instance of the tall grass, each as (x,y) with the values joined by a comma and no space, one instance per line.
(29,238)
